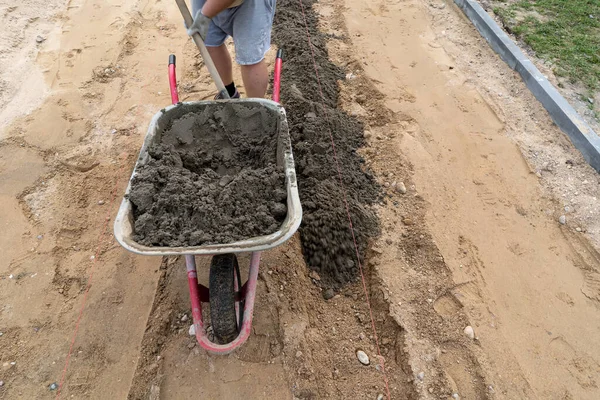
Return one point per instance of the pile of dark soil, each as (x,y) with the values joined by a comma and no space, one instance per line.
(325,233)
(211,177)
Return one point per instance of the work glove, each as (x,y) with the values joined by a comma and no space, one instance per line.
(200,25)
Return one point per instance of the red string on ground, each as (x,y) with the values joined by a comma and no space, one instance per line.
(343,189)
(100,242)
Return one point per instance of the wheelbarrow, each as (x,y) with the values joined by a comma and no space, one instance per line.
(231,302)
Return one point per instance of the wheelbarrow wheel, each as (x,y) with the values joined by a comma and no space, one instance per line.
(223,272)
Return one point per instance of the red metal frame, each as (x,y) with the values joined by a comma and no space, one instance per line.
(249,298)
(200,293)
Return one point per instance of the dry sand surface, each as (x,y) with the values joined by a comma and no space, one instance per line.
(475,177)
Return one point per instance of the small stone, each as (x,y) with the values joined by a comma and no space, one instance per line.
(53,386)
(362,357)
(10,276)
(430,390)
(40,38)
(490,388)
(13,363)
(421,376)
(380,397)
(377,250)
(191,345)
(224,181)
(386,184)
(469,332)
(389,241)
(362,336)
(298,354)
(40,237)
(568,209)
(314,275)
(455,396)
(1,383)
(407,221)
(61,290)
(328,294)
(1,333)
(113,131)
(100,202)
(192,330)
(562,220)
(184,318)
(401,188)
(578,229)
(590,100)
(310,116)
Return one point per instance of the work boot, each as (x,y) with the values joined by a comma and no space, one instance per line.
(236,95)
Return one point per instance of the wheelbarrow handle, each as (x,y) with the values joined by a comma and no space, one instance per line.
(277,75)
(189,20)
(173,79)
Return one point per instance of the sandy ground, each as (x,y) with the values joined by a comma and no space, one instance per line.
(475,240)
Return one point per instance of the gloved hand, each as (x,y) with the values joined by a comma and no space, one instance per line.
(200,25)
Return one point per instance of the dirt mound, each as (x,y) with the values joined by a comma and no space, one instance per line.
(211,177)
(327,241)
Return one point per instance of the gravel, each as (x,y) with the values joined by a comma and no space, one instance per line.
(328,294)
(362,357)
(562,219)
(401,188)
(469,332)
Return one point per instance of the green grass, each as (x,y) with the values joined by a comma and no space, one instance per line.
(565,32)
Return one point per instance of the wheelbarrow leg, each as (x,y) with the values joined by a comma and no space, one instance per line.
(250,295)
(190,264)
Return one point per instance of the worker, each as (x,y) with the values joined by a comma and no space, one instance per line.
(249,22)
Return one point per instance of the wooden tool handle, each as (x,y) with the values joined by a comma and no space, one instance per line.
(189,20)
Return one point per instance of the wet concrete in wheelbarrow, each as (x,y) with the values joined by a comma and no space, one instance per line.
(211,177)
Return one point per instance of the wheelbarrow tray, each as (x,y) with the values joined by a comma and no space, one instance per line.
(124,222)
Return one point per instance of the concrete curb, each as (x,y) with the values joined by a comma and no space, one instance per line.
(562,113)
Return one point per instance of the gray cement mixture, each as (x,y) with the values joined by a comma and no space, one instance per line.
(211,177)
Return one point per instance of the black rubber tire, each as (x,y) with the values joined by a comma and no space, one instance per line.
(222,297)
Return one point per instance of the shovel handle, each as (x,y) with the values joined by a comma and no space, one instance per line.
(189,20)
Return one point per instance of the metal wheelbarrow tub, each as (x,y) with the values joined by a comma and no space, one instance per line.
(124,223)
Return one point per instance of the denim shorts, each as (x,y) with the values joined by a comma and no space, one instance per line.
(249,24)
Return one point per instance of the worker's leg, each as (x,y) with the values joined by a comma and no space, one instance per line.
(256,79)
(252,37)
(222,59)
(215,44)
